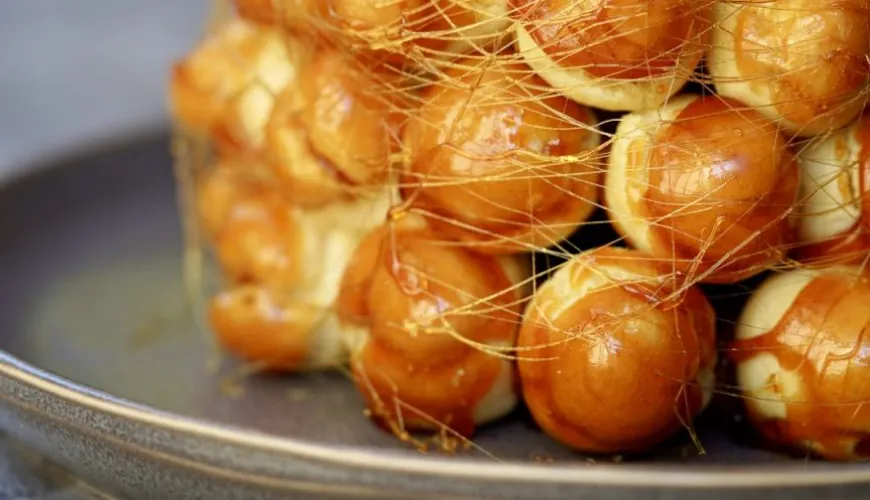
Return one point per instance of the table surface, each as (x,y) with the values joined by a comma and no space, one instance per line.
(74,74)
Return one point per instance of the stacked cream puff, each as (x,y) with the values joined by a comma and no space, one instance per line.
(705,183)
(611,54)
(405,32)
(834,219)
(289,194)
(323,260)
(801,357)
(802,63)
(615,358)
(383,172)
(431,327)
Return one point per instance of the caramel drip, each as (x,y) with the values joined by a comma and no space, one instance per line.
(617,370)
(824,338)
(411,294)
(620,39)
(721,183)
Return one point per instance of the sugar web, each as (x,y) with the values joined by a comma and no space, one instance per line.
(420,50)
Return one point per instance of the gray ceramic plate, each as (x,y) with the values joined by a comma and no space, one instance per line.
(103,370)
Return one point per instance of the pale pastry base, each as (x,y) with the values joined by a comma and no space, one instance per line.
(830,186)
(502,396)
(728,81)
(331,236)
(603,93)
(627,178)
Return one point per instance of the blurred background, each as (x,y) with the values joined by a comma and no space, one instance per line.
(73,74)
(76,72)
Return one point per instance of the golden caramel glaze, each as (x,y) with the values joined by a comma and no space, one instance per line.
(260,241)
(710,191)
(409,30)
(337,132)
(803,63)
(864,172)
(226,86)
(500,162)
(284,13)
(834,218)
(425,322)
(220,189)
(620,39)
(618,55)
(802,363)
(613,358)
(282,266)
(265,327)
(396,31)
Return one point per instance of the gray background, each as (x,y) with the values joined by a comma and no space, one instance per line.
(74,73)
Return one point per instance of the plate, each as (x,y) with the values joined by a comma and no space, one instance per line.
(104,369)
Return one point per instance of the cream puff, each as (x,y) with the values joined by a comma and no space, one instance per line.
(833,222)
(617,55)
(337,132)
(281,13)
(614,356)
(282,267)
(801,360)
(431,328)
(400,31)
(225,88)
(801,63)
(500,162)
(707,185)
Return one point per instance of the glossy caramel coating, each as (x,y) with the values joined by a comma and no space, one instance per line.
(285,13)
(802,63)
(426,322)
(706,185)
(226,86)
(260,242)
(614,358)
(802,365)
(500,162)
(269,329)
(834,218)
(281,265)
(337,131)
(221,187)
(255,236)
(619,55)
(397,31)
